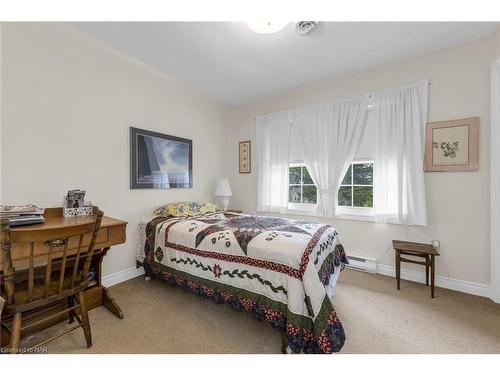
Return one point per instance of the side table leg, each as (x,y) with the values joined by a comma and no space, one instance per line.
(427,265)
(433,270)
(398,268)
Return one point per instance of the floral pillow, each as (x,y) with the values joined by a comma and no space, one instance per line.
(184,209)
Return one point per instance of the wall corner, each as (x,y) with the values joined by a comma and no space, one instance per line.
(495,180)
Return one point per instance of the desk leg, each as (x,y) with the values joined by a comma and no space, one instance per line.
(398,268)
(107,300)
(110,303)
(433,270)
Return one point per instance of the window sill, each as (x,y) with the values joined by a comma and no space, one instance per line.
(356,217)
(302,212)
(342,213)
(355,213)
(302,207)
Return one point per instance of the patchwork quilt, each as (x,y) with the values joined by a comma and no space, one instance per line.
(275,268)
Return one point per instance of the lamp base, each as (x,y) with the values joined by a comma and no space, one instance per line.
(224,203)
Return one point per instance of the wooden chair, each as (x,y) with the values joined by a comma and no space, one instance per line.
(47,277)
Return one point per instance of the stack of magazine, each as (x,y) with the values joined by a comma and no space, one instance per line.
(22,215)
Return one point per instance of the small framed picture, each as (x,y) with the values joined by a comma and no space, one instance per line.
(452,145)
(245,157)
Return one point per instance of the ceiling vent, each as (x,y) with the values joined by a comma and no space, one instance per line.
(305,27)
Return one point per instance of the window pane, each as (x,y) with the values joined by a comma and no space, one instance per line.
(347,178)
(309,194)
(294,173)
(294,194)
(363,174)
(363,196)
(306,178)
(344,196)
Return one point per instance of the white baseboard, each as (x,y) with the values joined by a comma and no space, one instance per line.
(121,276)
(411,275)
(441,281)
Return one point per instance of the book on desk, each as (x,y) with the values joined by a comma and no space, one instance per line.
(22,214)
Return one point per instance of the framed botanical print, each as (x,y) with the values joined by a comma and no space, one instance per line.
(160,161)
(245,157)
(452,145)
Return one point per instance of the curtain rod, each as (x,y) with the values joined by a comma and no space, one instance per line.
(370,106)
(371,94)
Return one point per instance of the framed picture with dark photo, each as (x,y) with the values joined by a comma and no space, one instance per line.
(160,161)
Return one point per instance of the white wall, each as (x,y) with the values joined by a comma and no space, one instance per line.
(495,175)
(497,40)
(68,102)
(67,106)
(458,203)
(1,116)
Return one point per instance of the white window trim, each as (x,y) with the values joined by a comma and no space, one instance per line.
(343,212)
(300,207)
(356,213)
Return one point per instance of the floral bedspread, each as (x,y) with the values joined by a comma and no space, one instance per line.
(277,269)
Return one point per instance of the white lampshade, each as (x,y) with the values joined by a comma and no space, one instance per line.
(266,27)
(223,189)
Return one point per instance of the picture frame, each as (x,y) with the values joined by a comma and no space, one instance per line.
(160,161)
(452,146)
(245,157)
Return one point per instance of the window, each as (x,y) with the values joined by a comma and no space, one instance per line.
(301,189)
(355,194)
(356,189)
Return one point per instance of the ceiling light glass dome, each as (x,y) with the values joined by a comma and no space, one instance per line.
(266,27)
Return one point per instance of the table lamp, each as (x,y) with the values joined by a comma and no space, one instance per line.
(223,191)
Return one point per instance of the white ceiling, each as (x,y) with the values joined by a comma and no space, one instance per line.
(232,64)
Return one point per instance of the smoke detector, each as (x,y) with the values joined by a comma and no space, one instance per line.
(305,27)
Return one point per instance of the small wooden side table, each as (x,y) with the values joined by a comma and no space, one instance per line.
(420,250)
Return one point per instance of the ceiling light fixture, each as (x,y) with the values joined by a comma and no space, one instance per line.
(266,27)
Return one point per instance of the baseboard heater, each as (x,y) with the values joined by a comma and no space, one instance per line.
(362,264)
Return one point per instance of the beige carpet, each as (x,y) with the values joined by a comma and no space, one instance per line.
(376,318)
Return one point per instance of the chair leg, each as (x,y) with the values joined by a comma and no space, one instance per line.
(71,303)
(15,334)
(85,320)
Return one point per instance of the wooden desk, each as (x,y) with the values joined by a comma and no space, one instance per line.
(420,250)
(112,232)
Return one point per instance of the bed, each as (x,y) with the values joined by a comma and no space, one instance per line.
(280,270)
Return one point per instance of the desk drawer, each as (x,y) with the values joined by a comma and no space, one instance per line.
(20,252)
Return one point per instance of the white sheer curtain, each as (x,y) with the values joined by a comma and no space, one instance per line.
(399,189)
(329,136)
(273,142)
